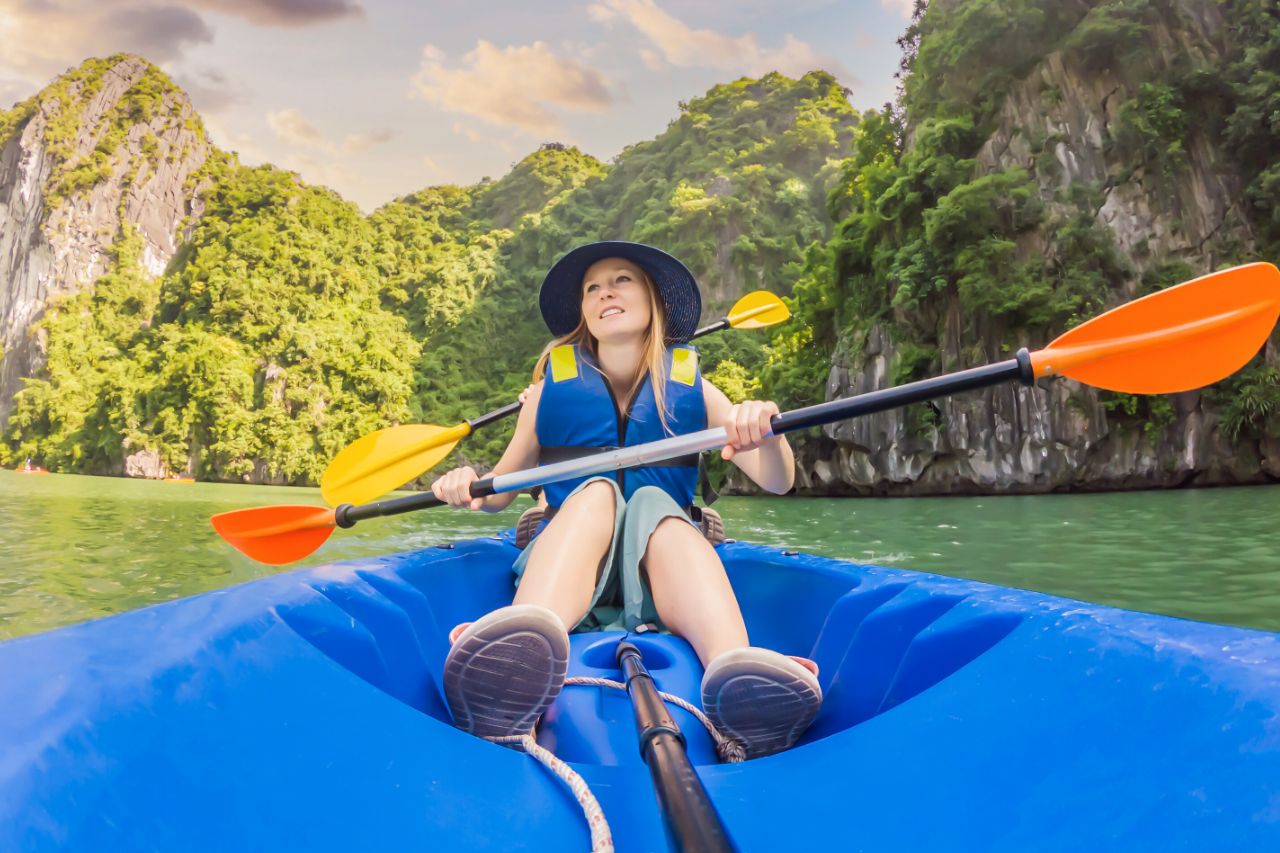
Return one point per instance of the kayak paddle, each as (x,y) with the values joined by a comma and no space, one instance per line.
(691,818)
(1173,340)
(381,461)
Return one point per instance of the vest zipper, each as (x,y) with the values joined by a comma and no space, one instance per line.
(622,419)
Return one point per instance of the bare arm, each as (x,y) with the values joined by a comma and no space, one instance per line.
(521,453)
(769,462)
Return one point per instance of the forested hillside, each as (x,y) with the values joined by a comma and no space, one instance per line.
(736,188)
(287,324)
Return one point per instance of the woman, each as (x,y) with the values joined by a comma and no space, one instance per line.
(620,551)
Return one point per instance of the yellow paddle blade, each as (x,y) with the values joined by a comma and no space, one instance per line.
(758,309)
(381,461)
(275,535)
(1176,339)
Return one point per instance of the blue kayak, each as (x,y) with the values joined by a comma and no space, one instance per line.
(304,712)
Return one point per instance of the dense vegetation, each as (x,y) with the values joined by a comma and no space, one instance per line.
(263,351)
(922,226)
(1252,129)
(289,325)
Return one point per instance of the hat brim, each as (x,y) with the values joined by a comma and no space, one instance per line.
(560,298)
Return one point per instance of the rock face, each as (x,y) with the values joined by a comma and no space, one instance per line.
(1195,215)
(1061,437)
(50,247)
(1054,437)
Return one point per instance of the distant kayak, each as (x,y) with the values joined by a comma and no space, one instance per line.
(31,471)
(178,480)
(304,711)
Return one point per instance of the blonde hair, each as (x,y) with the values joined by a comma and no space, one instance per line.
(653,360)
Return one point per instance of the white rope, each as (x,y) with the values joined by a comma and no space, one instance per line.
(729,750)
(601,837)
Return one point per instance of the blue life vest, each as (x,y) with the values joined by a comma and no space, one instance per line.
(578,415)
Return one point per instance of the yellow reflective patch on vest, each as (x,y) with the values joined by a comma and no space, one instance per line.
(684,366)
(564,363)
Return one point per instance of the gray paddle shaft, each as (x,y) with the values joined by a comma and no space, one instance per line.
(1017,368)
(612,460)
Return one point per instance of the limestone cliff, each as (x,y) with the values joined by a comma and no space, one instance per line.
(110,145)
(1169,216)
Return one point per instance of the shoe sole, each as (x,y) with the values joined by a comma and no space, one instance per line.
(760,700)
(505,670)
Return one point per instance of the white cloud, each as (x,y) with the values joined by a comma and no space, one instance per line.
(600,14)
(12,91)
(292,127)
(210,90)
(40,39)
(515,86)
(902,7)
(685,47)
(358,143)
(320,160)
(323,172)
(228,140)
(433,172)
(470,134)
(651,60)
(282,13)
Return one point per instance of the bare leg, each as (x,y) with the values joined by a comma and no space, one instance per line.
(505,669)
(759,698)
(564,565)
(691,590)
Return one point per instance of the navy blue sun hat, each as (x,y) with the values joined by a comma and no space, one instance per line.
(561,295)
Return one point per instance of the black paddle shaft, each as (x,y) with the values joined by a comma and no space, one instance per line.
(494,416)
(1019,368)
(691,820)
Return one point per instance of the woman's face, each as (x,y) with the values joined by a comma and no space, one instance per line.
(615,300)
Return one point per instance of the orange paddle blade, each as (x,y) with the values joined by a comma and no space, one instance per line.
(275,534)
(381,461)
(1176,339)
(758,310)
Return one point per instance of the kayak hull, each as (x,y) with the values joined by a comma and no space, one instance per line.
(304,710)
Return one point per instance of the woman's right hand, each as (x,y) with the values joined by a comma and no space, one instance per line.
(454,488)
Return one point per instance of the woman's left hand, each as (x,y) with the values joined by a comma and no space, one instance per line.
(747,426)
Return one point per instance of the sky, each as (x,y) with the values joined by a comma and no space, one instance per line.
(380,98)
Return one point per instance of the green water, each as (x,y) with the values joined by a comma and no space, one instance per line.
(74,548)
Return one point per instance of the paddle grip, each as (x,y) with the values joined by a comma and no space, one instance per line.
(1019,368)
(347,515)
(713,327)
(652,718)
(496,415)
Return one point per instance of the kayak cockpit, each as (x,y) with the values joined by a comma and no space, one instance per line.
(877,644)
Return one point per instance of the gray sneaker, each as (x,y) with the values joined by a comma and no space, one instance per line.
(760,698)
(505,670)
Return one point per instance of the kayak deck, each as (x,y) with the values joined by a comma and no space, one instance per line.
(305,710)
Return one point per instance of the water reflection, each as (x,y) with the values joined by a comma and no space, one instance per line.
(74,548)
